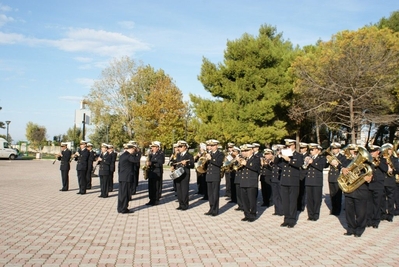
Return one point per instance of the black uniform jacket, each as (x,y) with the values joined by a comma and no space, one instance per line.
(276,172)
(189,165)
(290,171)
(303,172)
(334,172)
(379,175)
(65,160)
(314,176)
(82,159)
(213,170)
(250,172)
(113,155)
(390,179)
(125,167)
(105,164)
(157,160)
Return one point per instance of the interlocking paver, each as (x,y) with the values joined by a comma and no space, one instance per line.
(41,226)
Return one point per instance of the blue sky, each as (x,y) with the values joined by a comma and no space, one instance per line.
(52,51)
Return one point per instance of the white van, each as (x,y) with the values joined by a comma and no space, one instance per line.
(6,151)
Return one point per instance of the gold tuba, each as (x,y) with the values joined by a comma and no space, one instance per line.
(358,169)
(385,154)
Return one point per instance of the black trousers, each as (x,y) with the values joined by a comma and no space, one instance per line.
(202,186)
(88,176)
(374,207)
(356,215)
(82,181)
(227,176)
(301,203)
(314,195)
(213,197)
(104,179)
(278,204)
(182,189)
(153,188)
(65,179)
(266,189)
(123,196)
(133,184)
(289,198)
(388,202)
(111,182)
(239,196)
(396,212)
(336,198)
(233,188)
(249,202)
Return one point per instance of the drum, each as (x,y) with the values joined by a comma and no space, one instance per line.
(177,173)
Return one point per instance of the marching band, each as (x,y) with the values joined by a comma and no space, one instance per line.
(289,180)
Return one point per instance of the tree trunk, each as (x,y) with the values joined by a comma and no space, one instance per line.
(317,132)
(352,121)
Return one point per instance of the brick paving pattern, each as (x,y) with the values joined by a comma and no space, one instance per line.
(41,226)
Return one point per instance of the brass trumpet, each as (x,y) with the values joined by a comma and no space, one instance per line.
(238,163)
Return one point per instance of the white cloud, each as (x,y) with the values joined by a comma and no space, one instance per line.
(126,24)
(4,19)
(72,98)
(5,8)
(84,59)
(99,42)
(85,81)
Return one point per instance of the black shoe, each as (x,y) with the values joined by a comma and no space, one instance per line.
(208,213)
(291,225)
(179,208)
(375,226)
(238,209)
(214,214)
(204,198)
(127,211)
(150,203)
(89,187)
(244,219)
(356,235)
(284,224)
(63,190)
(78,193)
(348,234)
(251,219)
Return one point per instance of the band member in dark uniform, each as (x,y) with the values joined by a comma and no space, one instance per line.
(266,174)
(65,158)
(334,160)
(125,176)
(227,175)
(290,171)
(314,181)
(257,152)
(186,160)
(237,179)
(82,158)
(249,182)
(113,155)
(388,200)
(105,161)
(303,150)
(201,176)
(234,154)
(376,187)
(155,162)
(136,167)
(92,158)
(215,161)
(275,181)
(356,204)
(172,160)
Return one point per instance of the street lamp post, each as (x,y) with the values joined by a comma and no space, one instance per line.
(8,123)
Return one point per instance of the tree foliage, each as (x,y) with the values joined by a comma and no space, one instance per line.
(36,135)
(251,90)
(350,79)
(132,101)
(392,22)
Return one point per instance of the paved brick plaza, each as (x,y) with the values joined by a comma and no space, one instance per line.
(41,226)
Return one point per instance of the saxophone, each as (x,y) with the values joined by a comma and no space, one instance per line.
(359,168)
(145,167)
